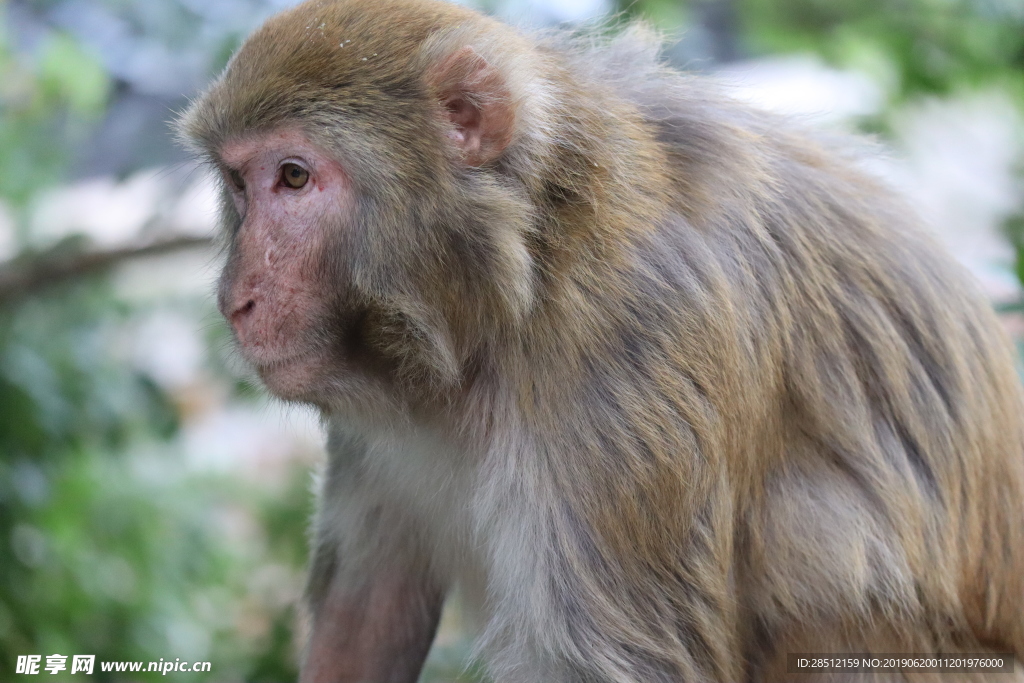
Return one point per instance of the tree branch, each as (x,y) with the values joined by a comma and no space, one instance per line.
(21,278)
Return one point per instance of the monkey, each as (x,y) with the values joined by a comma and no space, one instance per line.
(669,388)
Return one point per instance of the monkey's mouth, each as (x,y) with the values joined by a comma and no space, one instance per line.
(347,342)
(364,343)
(292,378)
(283,362)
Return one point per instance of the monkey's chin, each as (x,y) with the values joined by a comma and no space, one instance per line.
(299,379)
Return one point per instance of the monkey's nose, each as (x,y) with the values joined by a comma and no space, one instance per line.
(239,318)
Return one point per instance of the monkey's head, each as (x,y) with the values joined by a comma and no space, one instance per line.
(376,227)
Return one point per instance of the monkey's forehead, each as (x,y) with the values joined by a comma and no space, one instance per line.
(318,57)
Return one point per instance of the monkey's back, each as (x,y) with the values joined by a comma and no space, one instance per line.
(781,368)
(889,467)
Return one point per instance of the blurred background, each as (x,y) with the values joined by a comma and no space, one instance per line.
(153,501)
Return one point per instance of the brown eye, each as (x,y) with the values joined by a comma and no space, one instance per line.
(236,179)
(294,176)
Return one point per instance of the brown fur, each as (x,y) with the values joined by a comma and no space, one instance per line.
(672,389)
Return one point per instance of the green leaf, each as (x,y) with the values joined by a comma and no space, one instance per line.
(71,75)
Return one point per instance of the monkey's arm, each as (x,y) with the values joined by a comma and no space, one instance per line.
(374,603)
(379,631)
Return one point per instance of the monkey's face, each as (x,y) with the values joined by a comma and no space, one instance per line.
(376,241)
(328,293)
(285,190)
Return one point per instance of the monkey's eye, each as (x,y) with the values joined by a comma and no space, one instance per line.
(236,180)
(294,176)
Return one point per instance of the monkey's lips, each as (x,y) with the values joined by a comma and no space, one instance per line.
(288,367)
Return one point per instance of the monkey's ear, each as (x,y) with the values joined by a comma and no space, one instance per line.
(476,103)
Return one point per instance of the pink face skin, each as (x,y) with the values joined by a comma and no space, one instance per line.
(270,291)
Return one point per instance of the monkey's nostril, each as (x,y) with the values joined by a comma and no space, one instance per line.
(241,313)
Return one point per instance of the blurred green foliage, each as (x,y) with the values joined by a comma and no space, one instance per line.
(913,46)
(47,101)
(110,546)
(926,46)
(107,545)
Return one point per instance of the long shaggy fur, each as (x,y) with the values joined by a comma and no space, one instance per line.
(673,388)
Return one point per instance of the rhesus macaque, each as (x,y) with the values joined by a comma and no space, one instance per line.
(669,389)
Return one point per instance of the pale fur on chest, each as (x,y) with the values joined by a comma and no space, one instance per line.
(461,506)
(428,487)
